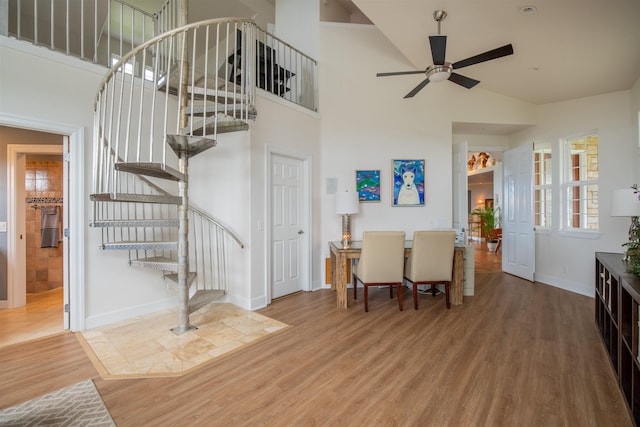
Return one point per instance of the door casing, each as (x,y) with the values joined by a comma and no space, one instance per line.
(74,262)
(305,258)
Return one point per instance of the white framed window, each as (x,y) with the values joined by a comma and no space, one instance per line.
(580,183)
(128,68)
(542,182)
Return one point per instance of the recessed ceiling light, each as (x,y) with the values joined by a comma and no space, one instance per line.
(528,10)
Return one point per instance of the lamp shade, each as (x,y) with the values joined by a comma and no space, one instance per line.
(347,203)
(625,203)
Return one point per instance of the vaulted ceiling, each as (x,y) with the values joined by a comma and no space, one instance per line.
(563,49)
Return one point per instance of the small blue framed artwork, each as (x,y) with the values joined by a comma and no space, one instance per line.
(368,185)
(408,182)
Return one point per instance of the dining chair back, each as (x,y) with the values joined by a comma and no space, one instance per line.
(381,263)
(431,261)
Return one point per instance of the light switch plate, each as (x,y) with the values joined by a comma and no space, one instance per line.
(3,227)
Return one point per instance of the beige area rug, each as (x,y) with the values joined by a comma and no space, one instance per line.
(78,405)
(145,347)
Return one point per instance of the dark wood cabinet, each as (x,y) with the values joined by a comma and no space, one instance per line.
(616,314)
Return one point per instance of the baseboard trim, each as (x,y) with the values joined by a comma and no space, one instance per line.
(129,312)
(567,285)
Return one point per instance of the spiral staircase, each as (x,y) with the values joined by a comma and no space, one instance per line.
(161,104)
(170,92)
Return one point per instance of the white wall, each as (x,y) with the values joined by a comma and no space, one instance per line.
(291,130)
(297,24)
(218,184)
(479,193)
(635,126)
(564,259)
(366,123)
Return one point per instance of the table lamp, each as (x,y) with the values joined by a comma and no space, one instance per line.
(347,204)
(625,203)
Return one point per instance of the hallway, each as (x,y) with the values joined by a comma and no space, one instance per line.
(485,261)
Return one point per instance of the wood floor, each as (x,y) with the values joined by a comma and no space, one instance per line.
(41,317)
(515,354)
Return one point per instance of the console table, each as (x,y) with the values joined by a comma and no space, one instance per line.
(340,258)
(617,300)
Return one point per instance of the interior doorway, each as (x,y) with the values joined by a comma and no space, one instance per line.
(73,143)
(36,286)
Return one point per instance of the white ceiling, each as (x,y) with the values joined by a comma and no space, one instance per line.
(568,49)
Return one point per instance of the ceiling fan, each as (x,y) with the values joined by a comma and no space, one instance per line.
(440,69)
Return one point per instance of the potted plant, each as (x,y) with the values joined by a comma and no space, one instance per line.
(488,219)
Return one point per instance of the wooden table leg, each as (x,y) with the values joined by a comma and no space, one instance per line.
(341,280)
(333,269)
(457,284)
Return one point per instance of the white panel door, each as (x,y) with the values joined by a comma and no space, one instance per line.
(286,225)
(518,236)
(460,200)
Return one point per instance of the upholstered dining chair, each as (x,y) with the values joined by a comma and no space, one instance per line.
(431,261)
(381,263)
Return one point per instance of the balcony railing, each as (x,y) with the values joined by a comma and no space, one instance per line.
(97,31)
(103,31)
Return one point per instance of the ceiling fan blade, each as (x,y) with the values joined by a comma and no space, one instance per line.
(438,48)
(463,80)
(399,73)
(486,56)
(417,89)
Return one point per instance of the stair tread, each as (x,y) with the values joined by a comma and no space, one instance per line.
(220,84)
(173,277)
(213,108)
(157,170)
(224,126)
(135,223)
(156,263)
(138,245)
(136,198)
(218,93)
(191,145)
(204,297)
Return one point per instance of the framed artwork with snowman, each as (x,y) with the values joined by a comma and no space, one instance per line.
(408,182)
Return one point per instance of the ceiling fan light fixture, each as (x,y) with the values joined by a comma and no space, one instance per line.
(442,70)
(439,73)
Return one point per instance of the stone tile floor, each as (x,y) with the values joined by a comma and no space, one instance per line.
(146,347)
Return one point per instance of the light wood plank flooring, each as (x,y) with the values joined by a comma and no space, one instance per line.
(515,354)
(41,317)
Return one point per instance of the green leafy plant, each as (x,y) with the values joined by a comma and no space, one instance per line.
(489,218)
(632,254)
(633,257)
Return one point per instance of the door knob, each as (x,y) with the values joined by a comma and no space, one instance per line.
(300,232)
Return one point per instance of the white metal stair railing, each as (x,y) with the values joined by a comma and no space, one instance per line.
(103,31)
(149,232)
(153,98)
(169,92)
(93,30)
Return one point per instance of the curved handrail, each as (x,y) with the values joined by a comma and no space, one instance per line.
(197,210)
(226,229)
(124,59)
